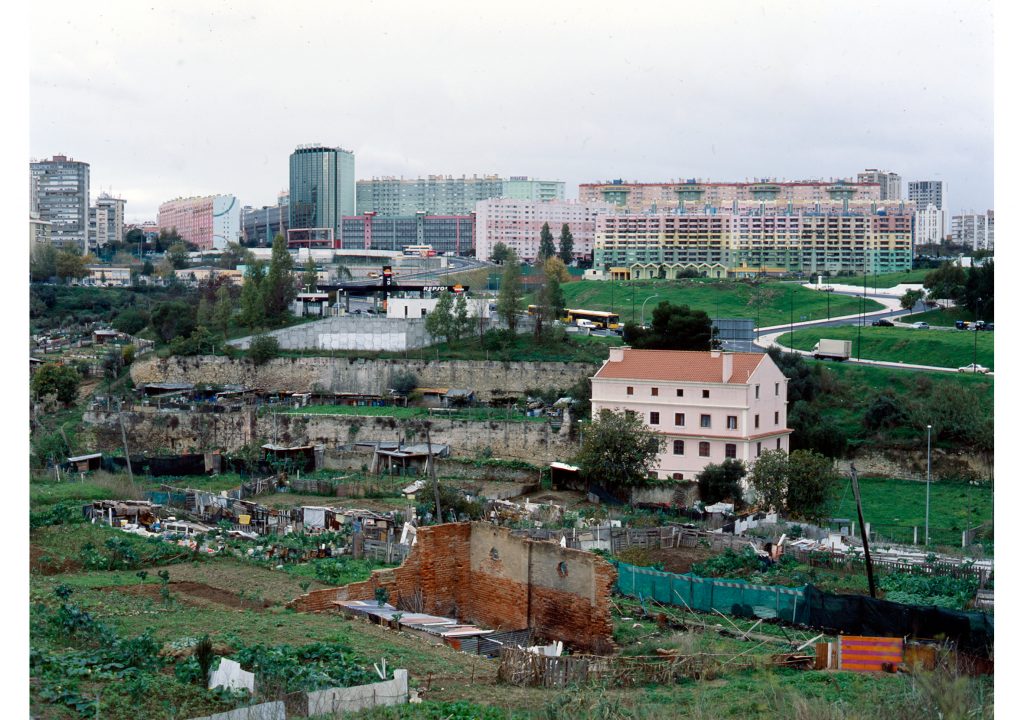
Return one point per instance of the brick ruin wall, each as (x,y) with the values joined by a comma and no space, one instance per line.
(480,573)
(185,431)
(489,378)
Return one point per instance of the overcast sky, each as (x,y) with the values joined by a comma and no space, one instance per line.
(195,98)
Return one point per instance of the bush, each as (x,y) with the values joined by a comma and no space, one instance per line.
(263,349)
(59,380)
(403,382)
(721,482)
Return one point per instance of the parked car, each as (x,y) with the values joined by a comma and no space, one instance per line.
(921,326)
(974,368)
(962,325)
(882,323)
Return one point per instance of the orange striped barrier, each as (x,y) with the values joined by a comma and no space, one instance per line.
(869,654)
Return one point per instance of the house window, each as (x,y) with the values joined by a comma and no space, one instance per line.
(730,422)
(730,450)
(678,446)
(776,389)
(678,476)
(705,421)
(705,393)
(679,392)
(704,449)
(655,418)
(680,419)
(778,443)
(757,421)
(776,417)
(757,392)
(759,449)
(654,392)
(629,389)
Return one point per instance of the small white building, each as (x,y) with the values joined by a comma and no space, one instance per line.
(108,276)
(709,406)
(421,307)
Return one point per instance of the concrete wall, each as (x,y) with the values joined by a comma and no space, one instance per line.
(481,573)
(361,697)
(264,711)
(182,431)
(351,332)
(488,378)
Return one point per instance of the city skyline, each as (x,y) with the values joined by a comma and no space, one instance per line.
(804,91)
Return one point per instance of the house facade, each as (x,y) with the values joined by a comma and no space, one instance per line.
(709,406)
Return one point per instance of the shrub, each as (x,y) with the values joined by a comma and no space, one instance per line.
(263,348)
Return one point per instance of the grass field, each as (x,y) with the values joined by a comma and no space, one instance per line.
(884,280)
(896,506)
(727,299)
(942,318)
(940,348)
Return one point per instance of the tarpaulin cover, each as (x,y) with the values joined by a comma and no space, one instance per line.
(174,465)
(807,605)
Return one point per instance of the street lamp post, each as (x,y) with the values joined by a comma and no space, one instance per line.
(642,306)
(928,490)
(977,315)
(792,345)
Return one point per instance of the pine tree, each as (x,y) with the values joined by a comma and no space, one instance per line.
(440,320)
(565,245)
(547,243)
(460,322)
(204,313)
(222,310)
(309,276)
(511,293)
(253,308)
(280,283)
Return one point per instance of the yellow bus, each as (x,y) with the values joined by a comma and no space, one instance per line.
(596,318)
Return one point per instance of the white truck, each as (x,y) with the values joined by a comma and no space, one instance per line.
(838,350)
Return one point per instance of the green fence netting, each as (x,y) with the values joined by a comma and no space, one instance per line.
(731,597)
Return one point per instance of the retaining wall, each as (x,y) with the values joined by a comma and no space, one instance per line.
(351,332)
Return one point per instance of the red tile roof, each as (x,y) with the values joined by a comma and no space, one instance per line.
(678,366)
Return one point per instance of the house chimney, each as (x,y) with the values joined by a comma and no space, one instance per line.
(617,354)
(726,366)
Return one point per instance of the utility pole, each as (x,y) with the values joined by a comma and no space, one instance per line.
(928,490)
(863,533)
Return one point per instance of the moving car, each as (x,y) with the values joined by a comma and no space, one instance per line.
(974,368)
(921,325)
(882,323)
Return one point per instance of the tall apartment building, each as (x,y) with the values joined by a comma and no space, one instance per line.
(59,192)
(260,226)
(976,230)
(930,199)
(518,223)
(106,221)
(454,234)
(321,189)
(698,195)
(39,231)
(889,183)
(722,244)
(922,193)
(209,222)
(709,406)
(447,195)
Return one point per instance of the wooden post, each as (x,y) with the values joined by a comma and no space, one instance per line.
(860,519)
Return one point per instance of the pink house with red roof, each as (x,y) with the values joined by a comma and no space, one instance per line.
(709,406)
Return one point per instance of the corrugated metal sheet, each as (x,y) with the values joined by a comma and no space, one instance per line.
(869,654)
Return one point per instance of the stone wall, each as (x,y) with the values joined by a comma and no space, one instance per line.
(186,431)
(483,574)
(489,378)
(913,464)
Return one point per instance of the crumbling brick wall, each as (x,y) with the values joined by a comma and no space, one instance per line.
(481,573)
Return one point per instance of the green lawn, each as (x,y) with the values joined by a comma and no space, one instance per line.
(942,318)
(884,280)
(954,507)
(940,348)
(724,298)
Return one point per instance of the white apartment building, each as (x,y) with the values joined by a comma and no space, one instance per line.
(978,230)
(709,406)
(518,223)
(929,226)
(890,183)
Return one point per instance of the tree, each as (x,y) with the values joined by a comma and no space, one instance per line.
(945,282)
(173,319)
(70,265)
(978,294)
(911,298)
(500,253)
(619,451)
(768,479)
(147,268)
(550,298)
(547,243)
(403,382)
(253,310)
(233,256)
(222,310)
(177,256)
(199,342)
(134,236)
(885,411)
(204,312)
(43,263)
(279,290)
(511,293)
(811,484)
(59,380)
(461,323)
(673,327)
(263,349)
(309,276)
(131,321)
(554,266)
(440,321)
(721,482)
(565,243)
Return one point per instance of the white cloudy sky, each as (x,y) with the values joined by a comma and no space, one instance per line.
(189,98)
